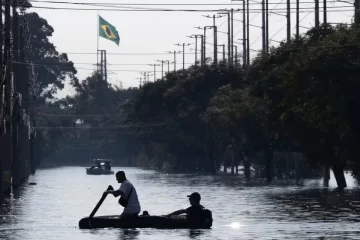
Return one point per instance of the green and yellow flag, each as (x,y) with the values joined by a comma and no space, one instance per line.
(108,31)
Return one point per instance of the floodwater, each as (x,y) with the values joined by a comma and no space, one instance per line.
(52,208)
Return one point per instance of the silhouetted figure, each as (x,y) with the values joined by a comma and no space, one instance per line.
(196,214)
(195,210)
(129,198)
(107,166)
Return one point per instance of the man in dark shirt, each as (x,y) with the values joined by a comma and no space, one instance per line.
(193,212)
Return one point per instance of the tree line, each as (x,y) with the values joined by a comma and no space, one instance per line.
(300,97)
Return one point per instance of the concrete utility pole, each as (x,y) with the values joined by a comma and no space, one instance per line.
(162,67)
(244,33)
(288,18)
(183,45)
(357,12)
(267,25)
(228,13)
(224,58)
(263,26)
(297,19)
(236,56)
(317,20)
(204,41)
(196,36)
(215,36)
(154,65)
(232,36)
(168,63)
(325,12)
(248,32)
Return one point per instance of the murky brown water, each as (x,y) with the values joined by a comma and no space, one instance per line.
(62,196)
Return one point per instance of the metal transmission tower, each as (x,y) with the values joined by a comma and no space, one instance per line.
(102,65)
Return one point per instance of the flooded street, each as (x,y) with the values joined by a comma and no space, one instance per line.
(52,208)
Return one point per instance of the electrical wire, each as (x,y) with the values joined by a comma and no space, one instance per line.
(336,9)
(157,4)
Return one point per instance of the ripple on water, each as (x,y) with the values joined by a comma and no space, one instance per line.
(52,208)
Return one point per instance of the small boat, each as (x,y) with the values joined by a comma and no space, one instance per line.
(143,221)
(100,167)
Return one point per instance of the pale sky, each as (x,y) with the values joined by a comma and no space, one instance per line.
(75,31)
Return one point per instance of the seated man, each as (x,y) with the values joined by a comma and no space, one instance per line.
(195,211)
(127,191)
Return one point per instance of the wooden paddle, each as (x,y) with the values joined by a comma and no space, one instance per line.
(100,202)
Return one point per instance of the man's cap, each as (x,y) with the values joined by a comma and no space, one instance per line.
(195,196)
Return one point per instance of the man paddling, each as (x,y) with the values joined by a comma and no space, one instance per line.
(129,198)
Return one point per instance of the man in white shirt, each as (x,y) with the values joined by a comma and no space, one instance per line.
(127,191)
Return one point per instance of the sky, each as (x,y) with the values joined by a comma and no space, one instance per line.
(146,37)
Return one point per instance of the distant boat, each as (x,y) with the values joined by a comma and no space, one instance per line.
(100,167)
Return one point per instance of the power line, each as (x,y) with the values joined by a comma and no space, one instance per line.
(187,10)
(156,4)
(67,67)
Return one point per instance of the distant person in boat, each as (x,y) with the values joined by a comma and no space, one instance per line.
(128,193)
(107,166)
(196,208)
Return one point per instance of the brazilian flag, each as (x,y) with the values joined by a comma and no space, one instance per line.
(108,31)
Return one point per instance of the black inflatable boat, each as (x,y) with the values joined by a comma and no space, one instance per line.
(160,222)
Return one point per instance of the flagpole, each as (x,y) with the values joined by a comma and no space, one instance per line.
(97,42)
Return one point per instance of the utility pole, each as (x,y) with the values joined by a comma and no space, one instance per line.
(236,56)
(183,56)
(263,26)
(229,44)
(232,36)
(196,36)
(267,25)
(105,66)
(288,18)
(174,52)
(297,19)
(162,68)
(215,36)
(317,21)
(357,12)
(183,45)
(215,45)
(325,12)
(248,32)
(223,52)
(154,65)
(204,41)
(244,33)
(168,62)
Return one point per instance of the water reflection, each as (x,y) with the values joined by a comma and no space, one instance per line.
(318,204)
(196,233)
(129,234)
(241,210)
